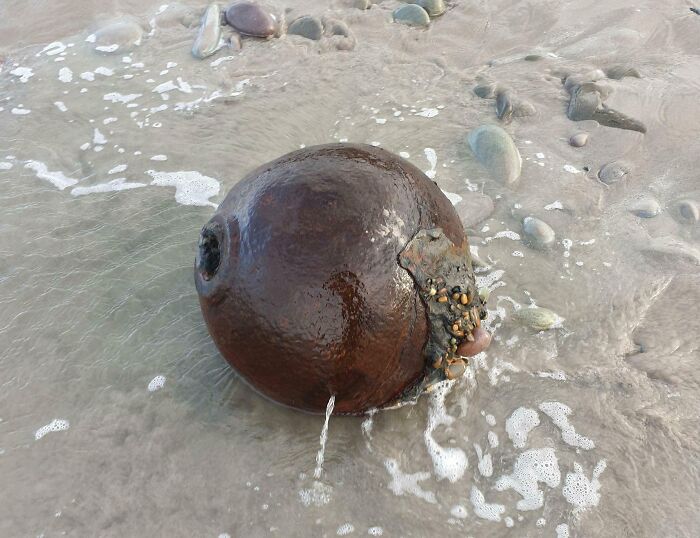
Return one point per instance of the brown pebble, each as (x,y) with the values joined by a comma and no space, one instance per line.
(251,19)
(442,299)
(456,369)
(455,327)
(455,296)
(437,362)
(464,299)
(482,339)
(443,291)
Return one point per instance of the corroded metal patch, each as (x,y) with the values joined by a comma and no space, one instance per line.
(444,276)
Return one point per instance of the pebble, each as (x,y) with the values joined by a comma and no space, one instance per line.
(573,81)
(456,369)
(504,106)
(411,15)
(495,149)
(176,14)
(251,19)
(617,72)
(579,140)
(434,8)
(474,208)
(538,234)
(688,211)
(486,90)
(118,36)
(362,4)
(337,27)
(540,319)
(533,58)
(208,38)
(308,27)
(645,208)
(614,171)
(482,339)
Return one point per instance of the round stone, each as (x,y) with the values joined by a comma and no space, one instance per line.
(411,15)
(251,19)
(474,208)
(688,211)
(310,285)
(434,8)
(614,171)
(494,148)
(537,233)
(645,208)
(308,27)
(579,140)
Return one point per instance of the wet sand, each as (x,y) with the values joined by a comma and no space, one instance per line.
(118,417)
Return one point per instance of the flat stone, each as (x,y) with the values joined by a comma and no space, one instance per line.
(118,36)
(645,208)
(308,27)
(585,101)
(579,140)
(251,19)
(434,8)
(495,150)
(411,15)
(538,234)
(208,38)
(614,171)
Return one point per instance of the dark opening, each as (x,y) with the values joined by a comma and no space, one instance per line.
(209,252)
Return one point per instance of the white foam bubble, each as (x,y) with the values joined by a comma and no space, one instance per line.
(98,138)
(508,521)
(559,413)
(117,169)
(375,531)
(458,511)
(191,188)
(404,154)
(157,383)
(107,48)
(319,494)
(427,112)
(493,439)
(448,462)
(541,522)
(107,121)
(65,75)
(60,105)
(571,169)
(485,510)
(116,97)
(21,111)
(579,490)
(345,529)
(519,425)
(169,86)
(88,75)
(159,158)
(402,483)
(52,49)
(57,179)
(556,374)
(56,425)
(116,185)
(432,160)
(531,467)
(24,73)
(485,465)
(562,530)
(5,165)
(104,71)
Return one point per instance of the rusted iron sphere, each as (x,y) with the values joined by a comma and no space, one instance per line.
(339,270)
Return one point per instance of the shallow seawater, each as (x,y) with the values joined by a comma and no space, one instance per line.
(118,417)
